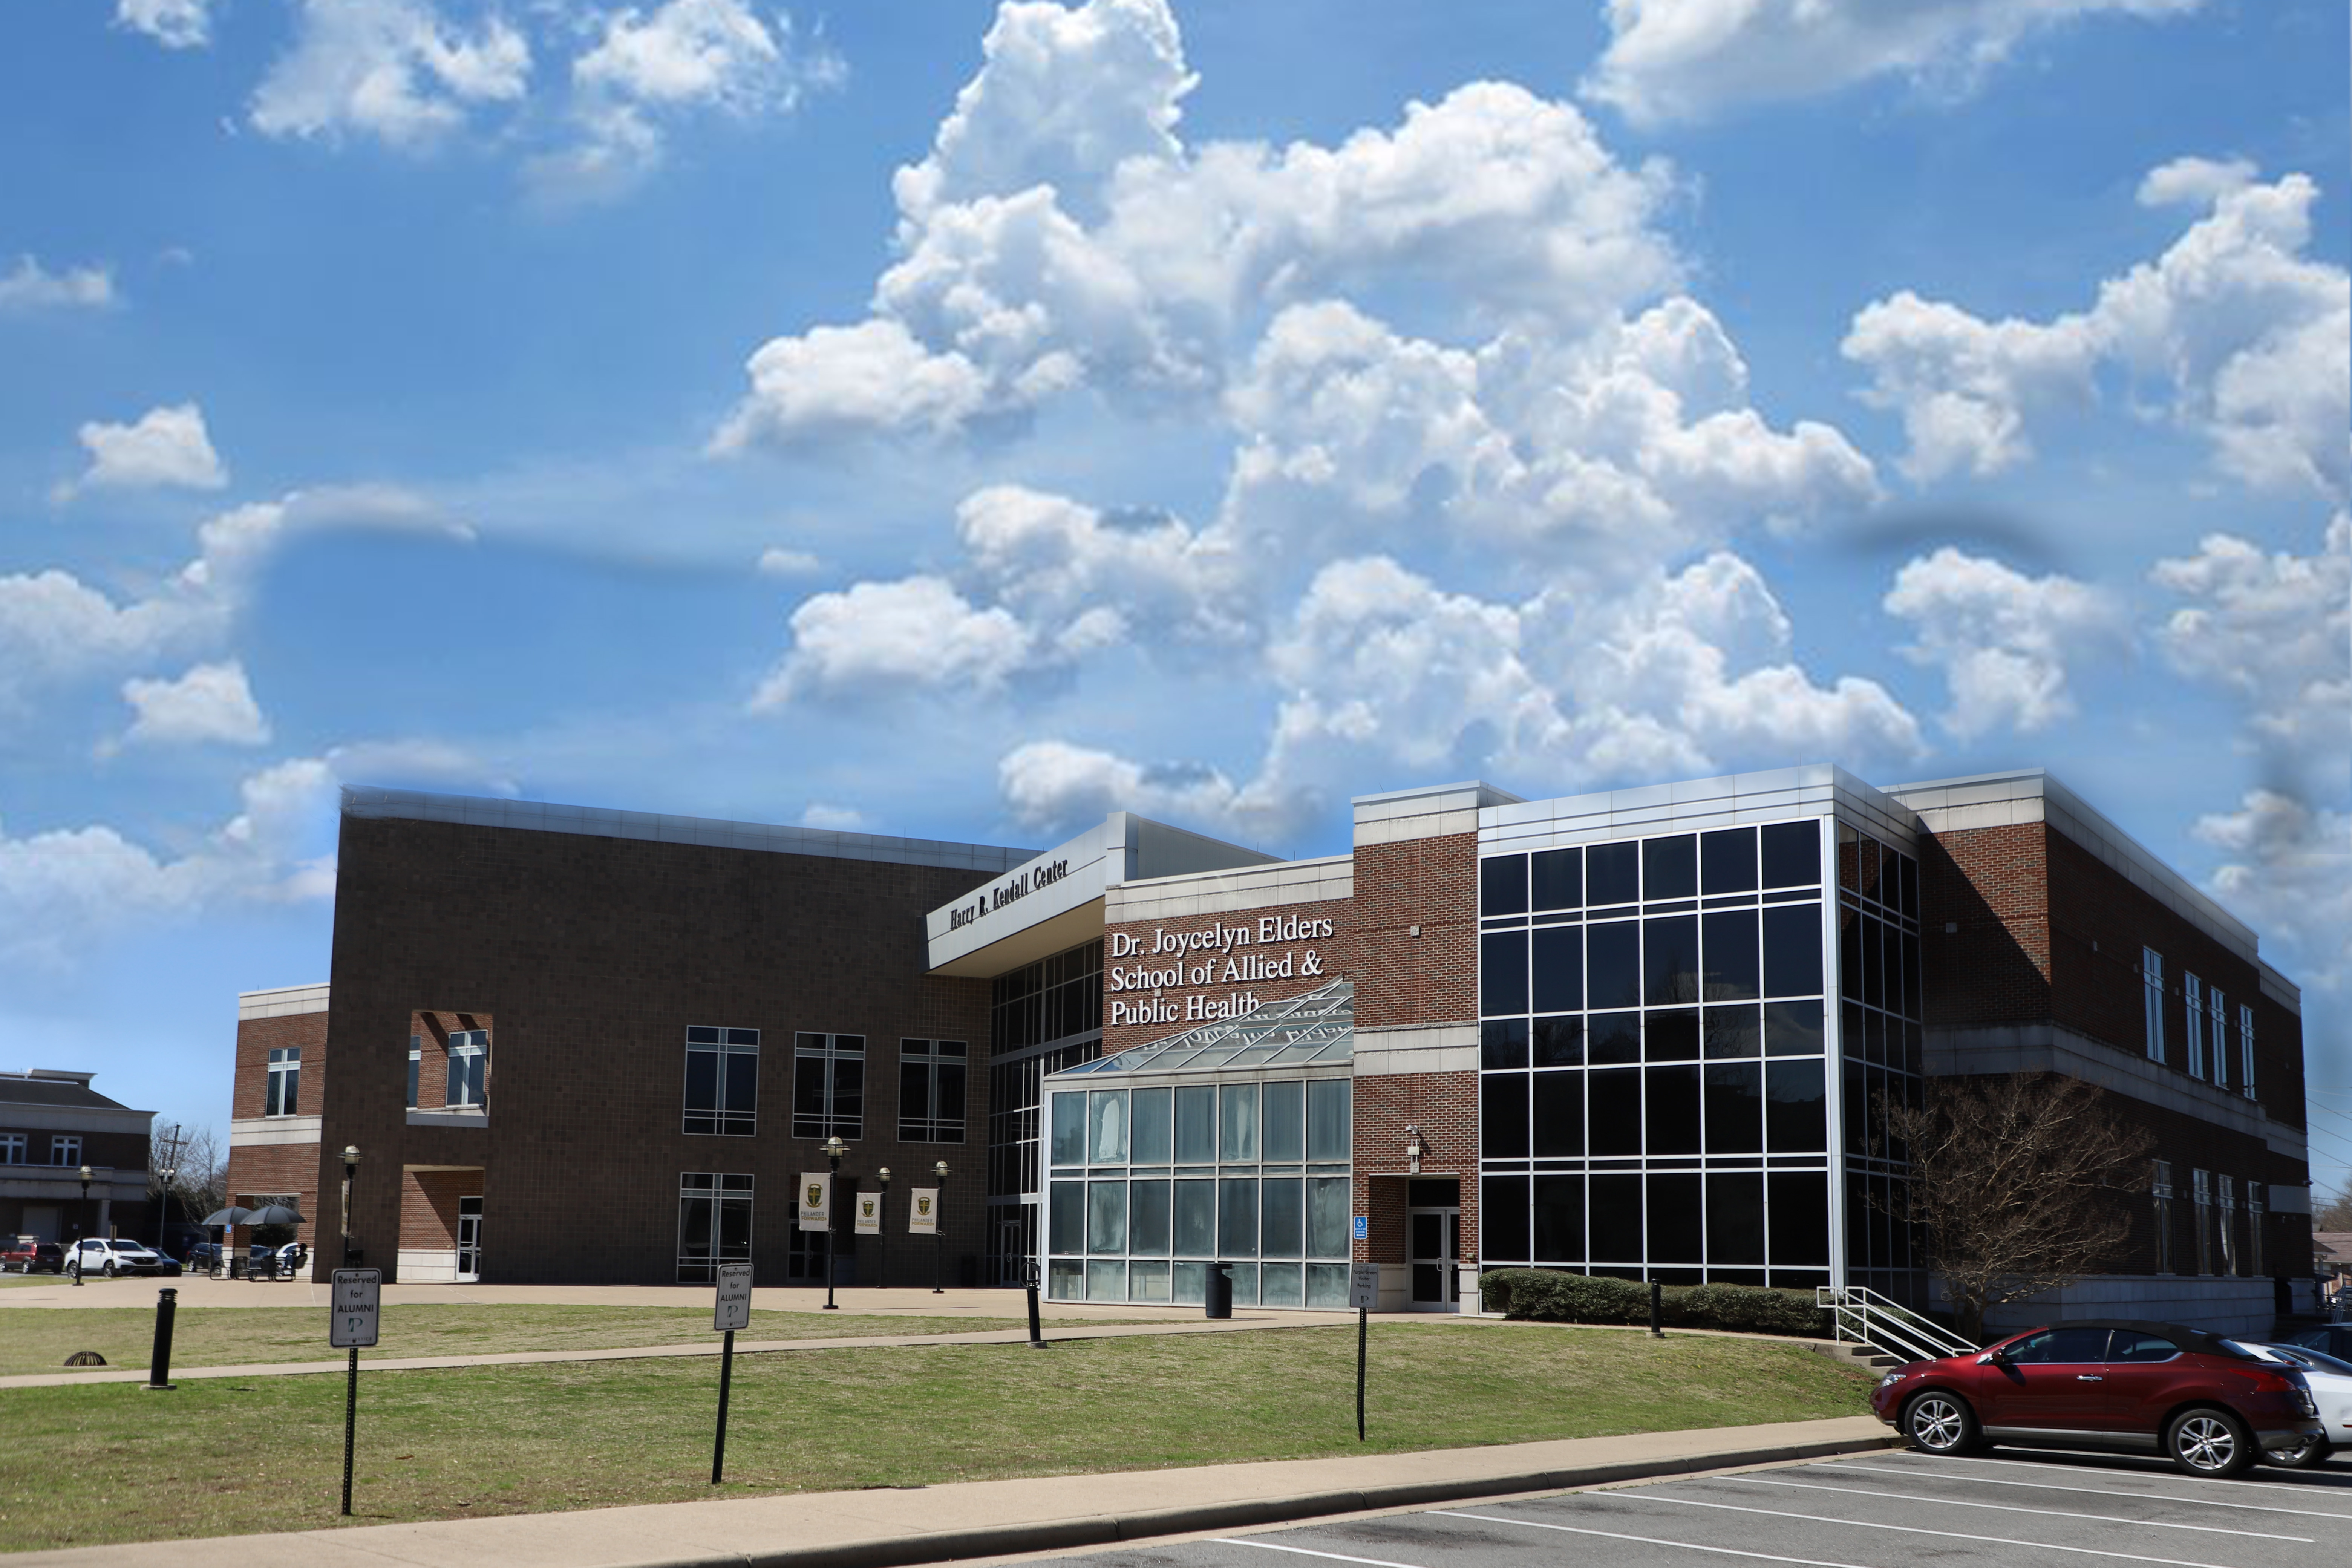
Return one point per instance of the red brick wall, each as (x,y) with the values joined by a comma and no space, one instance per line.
(431,1031)
(1445,1106)
(1431,978)
(1992,885)
(256,1170)
(256,1039)
(1332,958)
(428,1207)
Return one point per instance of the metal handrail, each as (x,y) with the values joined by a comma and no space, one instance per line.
(1867,1317)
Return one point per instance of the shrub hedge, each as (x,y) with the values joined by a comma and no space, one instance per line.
(1547,1295)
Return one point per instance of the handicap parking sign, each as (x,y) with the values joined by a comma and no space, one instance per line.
(1364,1228)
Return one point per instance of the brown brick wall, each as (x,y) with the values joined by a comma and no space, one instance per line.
(428,1207)
(431,1031)
(593,955)
(256,1039)
(1431,978)
(1445,1106)
(1330,957)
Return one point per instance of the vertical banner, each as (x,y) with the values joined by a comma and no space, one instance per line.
(923,1212)
(815,1199)
(869,1214)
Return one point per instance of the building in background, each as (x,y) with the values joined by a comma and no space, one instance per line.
(52,1123)
(1637,1033)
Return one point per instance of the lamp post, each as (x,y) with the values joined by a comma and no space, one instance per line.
(834,1150)
(350,1177)
(882,1230)
(939,1223)
(84,1209)
(172,1143)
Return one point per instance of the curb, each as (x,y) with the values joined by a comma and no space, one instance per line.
(1112,1530)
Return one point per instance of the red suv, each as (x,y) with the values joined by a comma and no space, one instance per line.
(2105,1384)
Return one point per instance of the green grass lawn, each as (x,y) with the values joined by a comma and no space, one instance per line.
(38,1339)
(86,1465)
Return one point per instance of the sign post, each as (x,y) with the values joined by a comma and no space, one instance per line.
(1363,1292)
(731,1311)
(358,1300)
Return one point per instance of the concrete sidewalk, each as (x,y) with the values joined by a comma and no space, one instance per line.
(887,1529)
(711,1348)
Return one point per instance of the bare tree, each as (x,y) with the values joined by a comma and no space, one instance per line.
(193,1154)
(2337,1213)
(2017,1183)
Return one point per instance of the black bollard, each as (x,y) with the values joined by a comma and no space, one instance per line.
(1036,1335)
(159,1366)
(1657,1295)
(1217,1301)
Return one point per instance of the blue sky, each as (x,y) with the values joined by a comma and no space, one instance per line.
(955,421)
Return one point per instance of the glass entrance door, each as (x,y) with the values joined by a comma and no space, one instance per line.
(1433,1246)
(470,1239)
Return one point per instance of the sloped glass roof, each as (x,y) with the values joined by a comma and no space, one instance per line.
(1318,1027)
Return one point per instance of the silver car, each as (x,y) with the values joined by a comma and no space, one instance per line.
(2330,1381)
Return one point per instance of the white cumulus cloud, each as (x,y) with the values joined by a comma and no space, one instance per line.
(2275,627)
(211,702)
(2248,340)
(2003,640)
(1688,60)
(30,286)
(164,446)
(398,70)
(886,637)
(174,24)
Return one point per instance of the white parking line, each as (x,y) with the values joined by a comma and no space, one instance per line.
(1910,1529)
(2081,1470)
(1646,1540)
(2005,1507)
(1301,1551)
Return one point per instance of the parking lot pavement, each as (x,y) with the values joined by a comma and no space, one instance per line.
(2007,1507)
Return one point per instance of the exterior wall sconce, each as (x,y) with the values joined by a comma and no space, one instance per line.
(1412,1148)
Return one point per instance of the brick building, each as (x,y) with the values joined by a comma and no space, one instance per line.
(53,1126)
(1635,1033)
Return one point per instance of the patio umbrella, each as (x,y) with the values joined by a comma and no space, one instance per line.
(227,1217)
(274,1214)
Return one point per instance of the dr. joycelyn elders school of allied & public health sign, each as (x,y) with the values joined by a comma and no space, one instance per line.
(1221,955)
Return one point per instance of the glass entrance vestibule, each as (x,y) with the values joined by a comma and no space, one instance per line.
(1227,1143)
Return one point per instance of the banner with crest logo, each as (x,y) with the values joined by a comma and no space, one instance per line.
(923,1211)
(869,1214)
(815,1199)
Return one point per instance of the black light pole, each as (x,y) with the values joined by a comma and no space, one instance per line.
(77,1224)
(351,1175)
(834,1150)
(939,1223)
(172,1143)
(882,1230)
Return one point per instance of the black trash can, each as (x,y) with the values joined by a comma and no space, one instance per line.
(1217,1301)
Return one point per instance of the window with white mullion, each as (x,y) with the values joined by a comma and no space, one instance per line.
(828,1086)
(2217,1017)
(932,1091)
(12,1148)
(2193,1015)
(722,1080)
(2246,1049)
(285,1081)
(469,1067)
(2152,974)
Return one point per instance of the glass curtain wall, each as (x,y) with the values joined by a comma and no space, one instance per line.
(1226,1143)
(1880,1040)
(1043,1016)
(1654,1083)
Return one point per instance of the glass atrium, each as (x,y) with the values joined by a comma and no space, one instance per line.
(1229,1143)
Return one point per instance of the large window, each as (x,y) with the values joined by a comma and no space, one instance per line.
(2161,1191)
(714,1225)
(12,1148)
(722,1079)
(931,1091)
(469,1067)
(2255,1215)
(1152,1184)
(828,1086)
(2226,1212)
(2200,1188)
(1049,1000)
(415,1066)
(2151,980)
(2193,1016)
(65,1151)
(2246,1051)
(2217,1032)
(1654,1091)
(284,1090)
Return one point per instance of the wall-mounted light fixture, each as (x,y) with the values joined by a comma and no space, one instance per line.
(1412,1148)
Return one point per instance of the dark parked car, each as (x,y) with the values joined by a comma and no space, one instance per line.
(38,1257)
(2202,1400)
(2327,1339)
